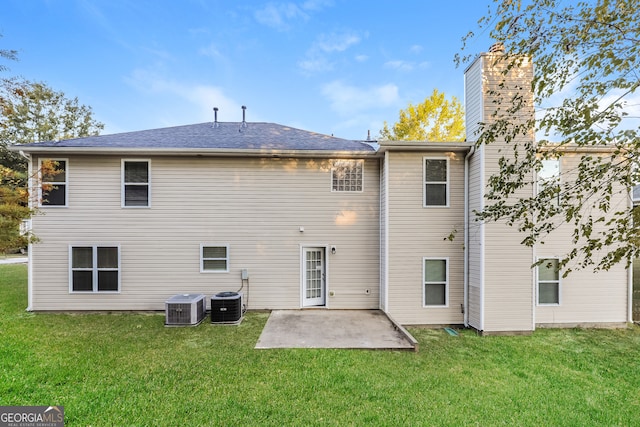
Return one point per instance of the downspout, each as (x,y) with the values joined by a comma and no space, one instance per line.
(630,276)
(466,237)
(29,247)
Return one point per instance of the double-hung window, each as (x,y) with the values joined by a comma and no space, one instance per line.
(436,182)
(214,258)
(136,183)
(53,177)
(435,282)
(346,175)
(94,268)
(549,179)
(549,282)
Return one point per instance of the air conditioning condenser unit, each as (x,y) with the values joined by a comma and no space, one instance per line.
(227,307)
(185,310)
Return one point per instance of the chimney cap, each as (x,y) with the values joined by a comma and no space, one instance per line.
(497,48)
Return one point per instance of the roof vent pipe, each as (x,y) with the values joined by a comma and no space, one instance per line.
(215,118)
(244,122)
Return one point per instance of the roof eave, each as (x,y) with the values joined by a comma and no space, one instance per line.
(424,146)
(217,152)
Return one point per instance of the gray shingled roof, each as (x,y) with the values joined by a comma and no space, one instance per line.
(204,136)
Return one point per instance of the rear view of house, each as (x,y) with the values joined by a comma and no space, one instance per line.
(298,220)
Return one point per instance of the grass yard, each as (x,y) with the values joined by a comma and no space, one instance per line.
(129,370)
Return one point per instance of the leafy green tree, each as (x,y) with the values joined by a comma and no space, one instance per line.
(435,119)
(33,112)
(586,57)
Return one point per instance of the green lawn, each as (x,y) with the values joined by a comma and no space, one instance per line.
(128,369)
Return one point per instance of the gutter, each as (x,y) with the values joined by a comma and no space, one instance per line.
(228,152)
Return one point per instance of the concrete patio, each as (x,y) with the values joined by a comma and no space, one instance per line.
(346,329)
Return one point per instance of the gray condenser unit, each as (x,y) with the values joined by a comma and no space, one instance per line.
(185,309)
(227,307)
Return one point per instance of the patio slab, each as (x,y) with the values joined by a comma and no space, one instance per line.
(319,328)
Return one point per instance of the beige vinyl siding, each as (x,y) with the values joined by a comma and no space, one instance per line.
(473,99)
(475,232)
(384,194)
(508,276)
(254,205)
(586,297)
(416,232)
(506,294)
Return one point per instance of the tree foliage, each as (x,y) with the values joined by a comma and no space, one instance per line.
(435,119)
(586,59)
(17,204)
(33,112)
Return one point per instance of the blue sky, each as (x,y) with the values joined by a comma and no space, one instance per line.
(338,67)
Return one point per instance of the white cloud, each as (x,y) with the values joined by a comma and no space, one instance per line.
(316,4)
(416,49)
(278,15)
(317,56)
(336,42)
(211,51)
(315,64)
(346,99)
(184,102)
(400,65)
(361,58)
(406,66)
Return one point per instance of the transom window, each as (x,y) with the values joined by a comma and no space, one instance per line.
(214,258)
(95,269)
(436,182)
(53,182)
(436,282)
(135,183)
(549,282)
(346,175)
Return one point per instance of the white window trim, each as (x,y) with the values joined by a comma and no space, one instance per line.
(446,283)
(123,184)
(65,183)
(424,182)
(538,303)
(357,161)
(215,245)
(94,269)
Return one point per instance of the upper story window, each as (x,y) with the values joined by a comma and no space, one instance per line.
(549,178)
(136,183)
(436,182)
(346,175)
(53,176)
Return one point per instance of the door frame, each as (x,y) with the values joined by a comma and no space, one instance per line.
(325,290)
